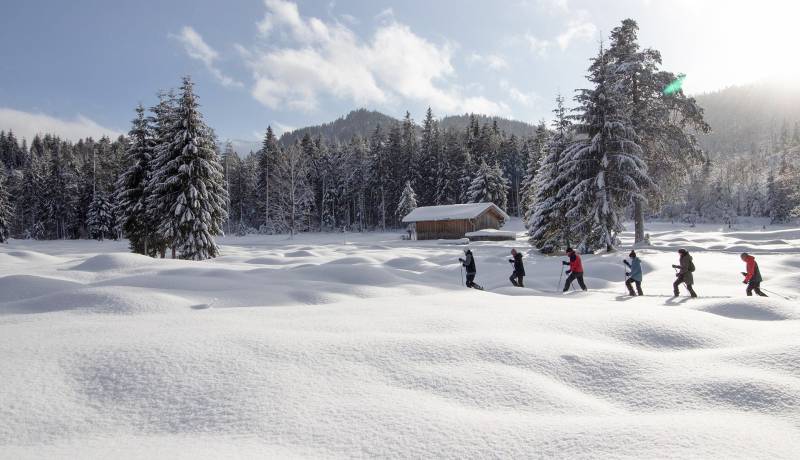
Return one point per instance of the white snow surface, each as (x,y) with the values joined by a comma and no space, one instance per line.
(365,345)
(492,232)
(451,212)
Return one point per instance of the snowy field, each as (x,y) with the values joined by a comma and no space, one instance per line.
(348,345)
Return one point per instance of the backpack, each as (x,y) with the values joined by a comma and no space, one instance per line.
(691,266)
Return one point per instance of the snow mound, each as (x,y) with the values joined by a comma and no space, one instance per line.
(16,287)
(267,261)
(26,256)
(114,261)
(98,300)
(753,308)
(301,253)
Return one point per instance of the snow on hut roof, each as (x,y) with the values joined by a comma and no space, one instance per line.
(451,212)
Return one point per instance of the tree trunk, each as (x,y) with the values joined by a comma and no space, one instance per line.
(638,220)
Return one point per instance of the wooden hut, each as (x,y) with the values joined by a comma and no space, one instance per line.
(455,220)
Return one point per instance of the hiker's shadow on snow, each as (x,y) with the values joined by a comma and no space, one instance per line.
(673,302)
(623,298)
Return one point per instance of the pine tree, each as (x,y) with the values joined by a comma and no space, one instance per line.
(100,219)
(189,183)
(5,210)
(781,191)
(162,230)
(267,164)
(664,123)
(546,219)
(536,150)
(408,201)
(132,183)
(489,186)
(603,172)
(426,161)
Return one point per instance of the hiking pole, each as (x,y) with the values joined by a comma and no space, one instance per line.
(462,275)
(776,294)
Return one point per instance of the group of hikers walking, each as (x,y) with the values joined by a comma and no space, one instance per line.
(634,274)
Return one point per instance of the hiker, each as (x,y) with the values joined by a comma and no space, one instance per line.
(519,269)
(469,263)
(684,275)
(752,278)
(634,275)
(575,270)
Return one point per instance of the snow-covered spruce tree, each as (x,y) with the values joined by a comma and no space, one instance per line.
(100,219)
(537,149)
(408,201)
(5,209)
(158,211)
(546,220)
(426,159)
(489,186)
(267,164)
(602,172)
(131,185)
(453,177)
(780,192)
(663,122)
(189,183)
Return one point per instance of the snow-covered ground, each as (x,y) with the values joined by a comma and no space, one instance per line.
(348,345)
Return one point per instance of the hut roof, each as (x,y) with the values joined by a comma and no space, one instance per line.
(452,212)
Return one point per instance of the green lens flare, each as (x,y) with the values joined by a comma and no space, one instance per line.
(675,86)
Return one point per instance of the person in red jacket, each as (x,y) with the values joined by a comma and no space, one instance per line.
(752,278)
(575,271)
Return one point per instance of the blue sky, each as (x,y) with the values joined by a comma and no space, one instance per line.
(79,68)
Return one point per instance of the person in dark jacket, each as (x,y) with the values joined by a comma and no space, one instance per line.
(575,271)
(752,278)
(519,269)
(684,275)
(634,275)
(469,264)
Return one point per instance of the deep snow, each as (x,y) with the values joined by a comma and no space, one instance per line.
(351,345)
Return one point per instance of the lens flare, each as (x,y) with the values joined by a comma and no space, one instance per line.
(675,86)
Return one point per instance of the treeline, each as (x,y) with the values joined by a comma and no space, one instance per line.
(626,150)
(321,185)
(54,189)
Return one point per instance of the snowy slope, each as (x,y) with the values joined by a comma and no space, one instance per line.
(347,345)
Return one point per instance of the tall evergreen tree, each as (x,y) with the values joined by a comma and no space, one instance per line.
(426,161)
(100,218)
(189,183)
(489,186)
(603,172)
(267,165)
(408,201)
(663,122)
(5,210)
(132,185)
(546,218)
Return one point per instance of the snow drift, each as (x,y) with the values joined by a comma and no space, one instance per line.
(371,347)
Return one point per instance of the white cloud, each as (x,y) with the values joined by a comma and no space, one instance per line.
(577,29)
(517,95)
(537,46)
(199,50)
(27,125)
(279,128)
(492,61)
(329,59)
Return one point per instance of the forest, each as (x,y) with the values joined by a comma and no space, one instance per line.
(621,149)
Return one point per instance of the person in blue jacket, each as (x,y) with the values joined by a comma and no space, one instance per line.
(634,274)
